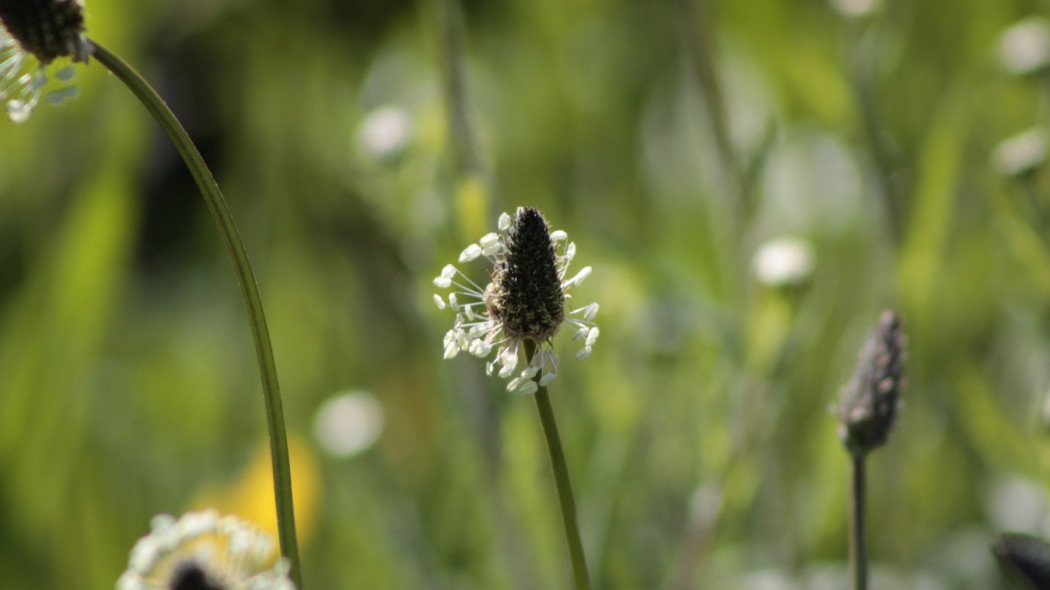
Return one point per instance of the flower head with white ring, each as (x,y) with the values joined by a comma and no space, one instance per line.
(202,550)
(525,300)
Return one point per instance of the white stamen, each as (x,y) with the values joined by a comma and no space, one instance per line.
(470,253)
(490,244)
(528,388)
(576,280)
(504,222)
(592,337)
(444,281)
(480,348)
(451,350)
(439,301)
(583,353)
(558,235)
(590,311)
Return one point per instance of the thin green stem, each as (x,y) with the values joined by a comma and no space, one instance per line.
(561,479)
(858,553)
(695,16)
(282,479)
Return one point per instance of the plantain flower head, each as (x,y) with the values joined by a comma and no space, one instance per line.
(526,300)
(33,35)
(869,402)
(205,551)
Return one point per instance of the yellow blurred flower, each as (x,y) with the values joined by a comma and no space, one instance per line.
(250,494)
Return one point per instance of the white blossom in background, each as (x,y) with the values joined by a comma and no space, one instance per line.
(348,424)
(783,261)
(1025,46)
(1021,153)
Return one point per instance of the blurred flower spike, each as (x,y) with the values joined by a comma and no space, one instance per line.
(34,34)
(869,402)
(203,551)
(525,300)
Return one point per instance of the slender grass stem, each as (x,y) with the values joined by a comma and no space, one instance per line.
(858,553)
(566,502)
(282,480)
(694,15)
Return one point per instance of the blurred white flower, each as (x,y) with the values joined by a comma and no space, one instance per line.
(856,8)
(203,550)
(1017,504)
(1021,153)
(1025,46)
(784,261)
(349,423)
(385,132)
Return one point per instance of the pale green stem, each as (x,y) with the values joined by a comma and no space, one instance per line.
(561,479)
(858,554)
(282,479)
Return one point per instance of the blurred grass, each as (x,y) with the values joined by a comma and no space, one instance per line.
(698,434)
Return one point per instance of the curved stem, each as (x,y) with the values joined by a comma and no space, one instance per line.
(561,479)
(858,555)
(282,480)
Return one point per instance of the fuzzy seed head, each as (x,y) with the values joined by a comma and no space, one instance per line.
(47,28)
(869,402)
(525,293)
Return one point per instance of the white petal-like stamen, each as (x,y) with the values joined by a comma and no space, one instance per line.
(504,222)
(528,388)
(509,362)
(592,337)
(576,280)
(590,311)
(559,235)
(470,253)
(480,348)
(439,301)
(451,350)
(444,280)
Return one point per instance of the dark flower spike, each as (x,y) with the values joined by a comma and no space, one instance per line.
(1025,558)
(35,33)
(524,301)
(869,402)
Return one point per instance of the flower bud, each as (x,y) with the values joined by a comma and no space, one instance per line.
(869,402)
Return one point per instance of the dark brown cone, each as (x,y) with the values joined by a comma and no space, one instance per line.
(46,28)
(526,291)
(869,402)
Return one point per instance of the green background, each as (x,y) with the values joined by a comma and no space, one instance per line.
(699,435)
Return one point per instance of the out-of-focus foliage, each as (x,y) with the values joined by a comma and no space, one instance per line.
(699,435)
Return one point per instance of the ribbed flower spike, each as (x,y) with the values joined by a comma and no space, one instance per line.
(525,300)
(205,551)
(869,402)
(35,33)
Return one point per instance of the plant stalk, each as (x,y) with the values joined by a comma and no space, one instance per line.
(581,581)
(858,553)
(282,480)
